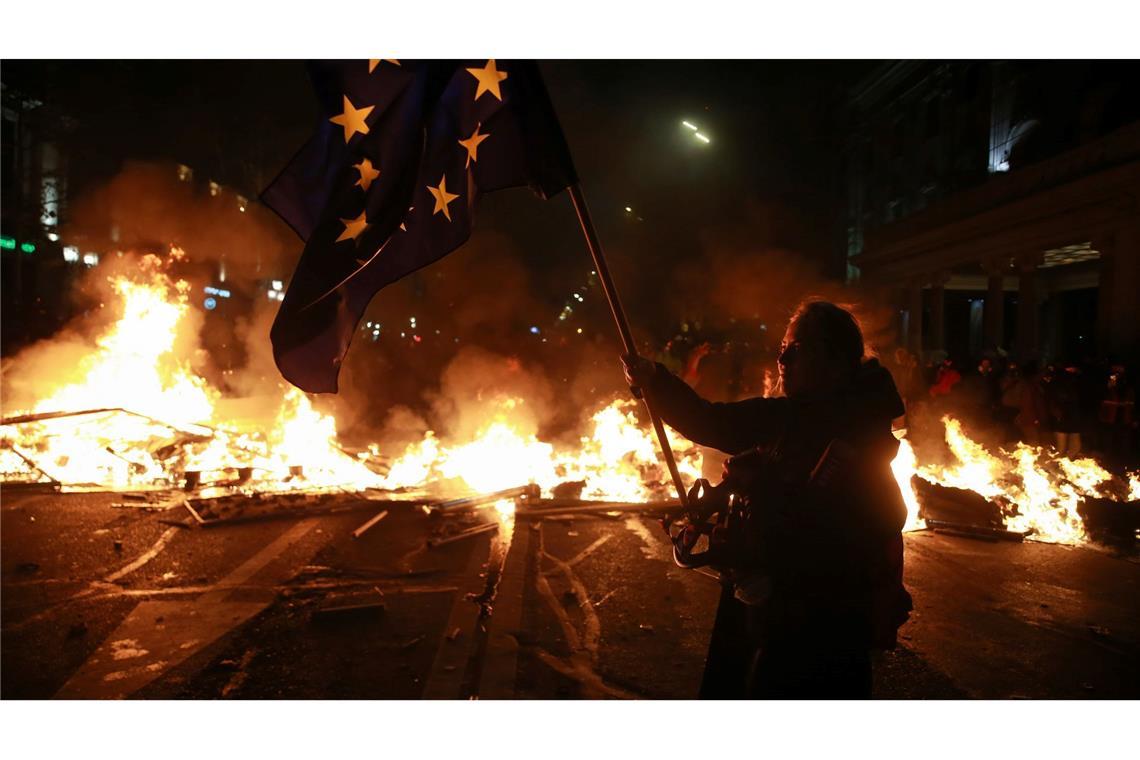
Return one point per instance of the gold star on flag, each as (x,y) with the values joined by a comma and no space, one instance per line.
(374,62)
(442,197)
(472,144)
(352,119)
(353,227)
(367,173)
(488,78)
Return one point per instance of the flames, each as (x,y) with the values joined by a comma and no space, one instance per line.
(1039,491)
(150,421)
(132,413)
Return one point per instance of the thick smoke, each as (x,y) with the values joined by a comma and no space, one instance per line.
(147,206)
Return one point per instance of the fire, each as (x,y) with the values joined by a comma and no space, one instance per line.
(155,423)
(616,461)
(134,365)
(904,466)
(132,414)
(1039,491)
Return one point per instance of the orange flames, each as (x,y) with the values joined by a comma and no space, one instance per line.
(1039,490)
(160,420)
(151,419)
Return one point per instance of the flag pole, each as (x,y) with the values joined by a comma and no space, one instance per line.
(611,292)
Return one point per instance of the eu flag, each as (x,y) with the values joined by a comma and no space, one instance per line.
(389,184)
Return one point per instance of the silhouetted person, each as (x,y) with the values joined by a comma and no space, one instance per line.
(1063,396)
(1117,415)
(1028,394)
(823,566)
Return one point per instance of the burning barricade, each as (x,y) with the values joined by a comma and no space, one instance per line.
(129,413)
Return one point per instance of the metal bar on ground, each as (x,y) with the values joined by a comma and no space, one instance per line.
(31,463)
(366,526)
(528,491)
(476,531)
(25,418)
(595,509)
(618,312)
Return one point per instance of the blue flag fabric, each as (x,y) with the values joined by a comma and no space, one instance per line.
(389,184)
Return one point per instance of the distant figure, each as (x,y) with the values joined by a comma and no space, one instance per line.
(1118,415)
(1032,409)
(814,579)
(945,380)
(1064,400)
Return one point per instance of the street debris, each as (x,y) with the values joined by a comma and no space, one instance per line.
(413,642)
(149,501)
(366,526)
(525,493)
(463,534)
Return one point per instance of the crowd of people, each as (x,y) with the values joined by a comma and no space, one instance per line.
(1079,408)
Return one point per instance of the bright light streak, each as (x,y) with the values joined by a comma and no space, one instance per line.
(701,137)
(690,126)
(627,208)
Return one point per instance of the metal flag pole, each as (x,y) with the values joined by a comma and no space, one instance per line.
(611,292)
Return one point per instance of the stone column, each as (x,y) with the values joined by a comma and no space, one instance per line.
(914,319)
(938,312)
(1118,312)
(1105,295)
(1027,322)
(1126,327)
(993,315)
(937,317)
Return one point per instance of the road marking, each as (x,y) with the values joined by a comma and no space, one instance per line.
(500,664)
(579,666)
(445,679)
(170,632)
(588,550)
(143,558)
(254,564)
(650,550)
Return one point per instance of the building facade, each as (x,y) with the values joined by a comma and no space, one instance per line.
(996,206)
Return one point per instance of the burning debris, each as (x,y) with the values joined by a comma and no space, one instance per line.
(131,414)
(1029,491)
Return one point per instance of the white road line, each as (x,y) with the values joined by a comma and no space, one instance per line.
(588,550)
(147,556)
(251,566)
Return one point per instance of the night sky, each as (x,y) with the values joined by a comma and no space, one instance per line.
(770,178)
(774,127)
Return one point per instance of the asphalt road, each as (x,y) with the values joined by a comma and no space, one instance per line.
(103,602)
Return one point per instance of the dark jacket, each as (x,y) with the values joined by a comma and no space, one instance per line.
(832,551)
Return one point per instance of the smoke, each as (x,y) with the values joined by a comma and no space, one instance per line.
(751,281)
(148,206)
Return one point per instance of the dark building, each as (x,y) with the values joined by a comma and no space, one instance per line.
(34,172)
(995,203)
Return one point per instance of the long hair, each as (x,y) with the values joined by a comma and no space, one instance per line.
(833,327)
